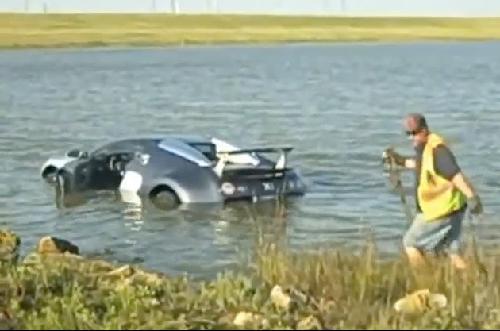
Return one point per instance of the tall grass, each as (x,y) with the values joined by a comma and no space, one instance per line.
(359,291)
(328,289)
(58,30)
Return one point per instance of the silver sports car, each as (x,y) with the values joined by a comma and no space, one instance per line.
(174,170)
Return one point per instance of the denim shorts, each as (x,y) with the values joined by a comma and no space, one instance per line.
(441,234)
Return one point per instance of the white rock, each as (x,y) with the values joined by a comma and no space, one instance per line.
(243,318)
(279,298)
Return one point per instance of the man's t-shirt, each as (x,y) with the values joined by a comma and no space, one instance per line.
(445,165)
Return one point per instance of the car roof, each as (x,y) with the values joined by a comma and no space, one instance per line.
(189,139)
(174,143)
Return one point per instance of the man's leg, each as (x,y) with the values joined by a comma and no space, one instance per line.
(410,242)
(456,221)
(415,257)
(458,262)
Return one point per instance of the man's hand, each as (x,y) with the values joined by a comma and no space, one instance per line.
(475,205)
(389,155)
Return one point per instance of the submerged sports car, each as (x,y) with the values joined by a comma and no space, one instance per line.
(175,170)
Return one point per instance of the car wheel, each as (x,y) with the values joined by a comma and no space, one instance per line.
(164,198)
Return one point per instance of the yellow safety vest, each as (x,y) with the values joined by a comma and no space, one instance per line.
(437,196)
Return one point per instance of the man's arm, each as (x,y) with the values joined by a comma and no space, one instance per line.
(464,185)
(473,200)
(447,166)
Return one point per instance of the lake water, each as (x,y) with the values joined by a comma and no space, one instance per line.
(339,105)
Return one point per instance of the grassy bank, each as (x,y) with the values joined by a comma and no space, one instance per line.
(58,30)
(281,290)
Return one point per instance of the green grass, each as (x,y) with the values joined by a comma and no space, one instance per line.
(87,30)
(330,289)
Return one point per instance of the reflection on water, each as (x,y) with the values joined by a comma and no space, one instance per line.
(134,206)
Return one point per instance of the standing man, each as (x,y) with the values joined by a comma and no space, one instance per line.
(442,194)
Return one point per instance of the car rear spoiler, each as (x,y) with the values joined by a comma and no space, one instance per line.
(284,150)
(280,164)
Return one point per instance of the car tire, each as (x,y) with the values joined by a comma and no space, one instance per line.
(164,197)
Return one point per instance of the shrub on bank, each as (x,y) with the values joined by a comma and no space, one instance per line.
(54,288)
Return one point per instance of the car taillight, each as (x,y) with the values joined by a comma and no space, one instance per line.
(227,188)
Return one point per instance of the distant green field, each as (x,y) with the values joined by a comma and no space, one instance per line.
(87,30)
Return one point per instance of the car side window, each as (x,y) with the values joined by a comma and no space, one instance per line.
(208,150)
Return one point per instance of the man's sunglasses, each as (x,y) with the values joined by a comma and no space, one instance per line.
(412,133)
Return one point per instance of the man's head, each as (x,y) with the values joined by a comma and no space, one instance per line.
(416,127)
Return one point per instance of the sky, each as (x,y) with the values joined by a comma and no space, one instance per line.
(476,8)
